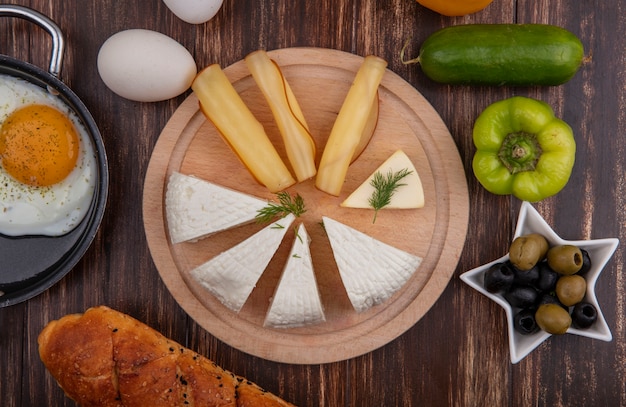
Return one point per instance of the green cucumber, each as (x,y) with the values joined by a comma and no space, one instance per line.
(501,54)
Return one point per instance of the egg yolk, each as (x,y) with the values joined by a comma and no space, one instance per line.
(38,145)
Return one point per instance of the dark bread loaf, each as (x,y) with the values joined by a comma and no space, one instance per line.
(106,358)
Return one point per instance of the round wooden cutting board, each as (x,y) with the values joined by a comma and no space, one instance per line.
(320,79)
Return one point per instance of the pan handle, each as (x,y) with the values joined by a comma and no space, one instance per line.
(58,43)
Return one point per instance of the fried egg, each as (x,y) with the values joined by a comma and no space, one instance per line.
(48,166)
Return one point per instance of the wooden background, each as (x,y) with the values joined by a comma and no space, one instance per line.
(457,355)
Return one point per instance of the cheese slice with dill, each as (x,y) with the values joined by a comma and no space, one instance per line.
(408,196)
(196,208)
(232,275)
(371,270)
(296,301)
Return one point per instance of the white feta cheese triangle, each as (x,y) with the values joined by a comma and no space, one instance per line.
(371,271)
(296,301)
(408,196)
(196,208)
(232,275)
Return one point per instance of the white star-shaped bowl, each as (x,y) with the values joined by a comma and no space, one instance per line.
(600,251)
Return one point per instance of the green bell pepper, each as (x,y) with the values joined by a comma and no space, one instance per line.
(522,149)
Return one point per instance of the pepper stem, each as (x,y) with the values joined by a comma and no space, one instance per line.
(520,152)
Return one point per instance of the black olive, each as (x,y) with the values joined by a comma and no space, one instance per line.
(525,277)
(584,315)
(547,278)
(524,322)
(586,262)
(498,278)
(549,298)
(521,296)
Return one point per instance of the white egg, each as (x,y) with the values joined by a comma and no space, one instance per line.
(194,11)
(51,210)
(145,66)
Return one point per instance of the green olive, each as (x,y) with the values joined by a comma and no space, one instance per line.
(553,319)
(566,259)
(571,289)
(527,250)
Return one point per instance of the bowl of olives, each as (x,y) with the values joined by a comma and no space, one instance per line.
(545,284)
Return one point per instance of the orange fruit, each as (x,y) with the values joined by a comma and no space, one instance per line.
(455,7)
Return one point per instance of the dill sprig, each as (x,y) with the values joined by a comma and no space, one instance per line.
(286,204)
(384,188)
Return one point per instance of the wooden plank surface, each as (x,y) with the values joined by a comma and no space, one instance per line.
(457,355)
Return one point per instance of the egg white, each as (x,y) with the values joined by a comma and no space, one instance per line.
(52,210)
